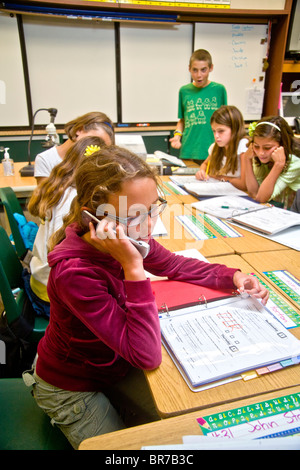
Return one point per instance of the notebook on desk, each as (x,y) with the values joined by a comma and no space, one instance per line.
(267,219)
(211,187)
(215,338)
(263,218)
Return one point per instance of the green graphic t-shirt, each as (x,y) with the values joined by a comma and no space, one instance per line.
(196,105)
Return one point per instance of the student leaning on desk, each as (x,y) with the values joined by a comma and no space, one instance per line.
(104,325)
(272,161)
(225,157)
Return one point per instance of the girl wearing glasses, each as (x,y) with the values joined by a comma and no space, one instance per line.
(104,326)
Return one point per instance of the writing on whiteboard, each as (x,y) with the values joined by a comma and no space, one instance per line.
(239,42)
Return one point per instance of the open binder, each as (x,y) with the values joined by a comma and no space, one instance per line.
(267,219)
(219,338)
(263,218)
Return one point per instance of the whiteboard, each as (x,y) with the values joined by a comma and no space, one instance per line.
(154,65)
(13,104)
(71,67)
(237,52)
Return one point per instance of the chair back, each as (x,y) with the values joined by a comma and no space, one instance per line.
(12,309)
(10,278)
(11,264)
(12,205)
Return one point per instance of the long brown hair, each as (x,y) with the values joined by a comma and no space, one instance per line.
(96,178)
(231,117)
(48,194)
(283,135)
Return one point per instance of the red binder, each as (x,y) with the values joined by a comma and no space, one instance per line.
(178,294)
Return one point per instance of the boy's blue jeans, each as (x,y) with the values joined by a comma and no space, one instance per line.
(81,415)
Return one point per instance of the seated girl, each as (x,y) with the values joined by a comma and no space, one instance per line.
(104,326)
(272,162)
(225,160)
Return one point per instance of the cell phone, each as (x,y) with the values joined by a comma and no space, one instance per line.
(141,246)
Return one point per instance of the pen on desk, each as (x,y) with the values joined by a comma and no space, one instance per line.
(238,208)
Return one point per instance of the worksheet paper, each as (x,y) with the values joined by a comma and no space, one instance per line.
(213,189)
(182,180)
(210,187)
(225,338)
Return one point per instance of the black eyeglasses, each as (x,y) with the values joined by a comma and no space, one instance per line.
(155,211)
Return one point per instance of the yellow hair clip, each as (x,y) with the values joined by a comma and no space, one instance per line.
(251,128)
(91,149)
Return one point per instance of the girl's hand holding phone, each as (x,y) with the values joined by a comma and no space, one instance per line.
(114,241)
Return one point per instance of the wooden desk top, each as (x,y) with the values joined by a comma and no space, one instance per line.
(249,242)
(288,260)
(23,186)
(252,243)
(179,238)
(168,431)
(173,397)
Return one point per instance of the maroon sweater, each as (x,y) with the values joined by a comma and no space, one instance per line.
(101,324)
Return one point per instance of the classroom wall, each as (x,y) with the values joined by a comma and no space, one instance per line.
(72,66)
(18,145)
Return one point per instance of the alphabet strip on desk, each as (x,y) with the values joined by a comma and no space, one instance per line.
(289,284)
(270,418)
(287,316)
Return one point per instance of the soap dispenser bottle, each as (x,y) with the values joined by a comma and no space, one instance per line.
(8,164)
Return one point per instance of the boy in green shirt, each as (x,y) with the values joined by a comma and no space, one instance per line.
(197,102)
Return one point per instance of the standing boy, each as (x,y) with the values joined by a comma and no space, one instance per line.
(197,102)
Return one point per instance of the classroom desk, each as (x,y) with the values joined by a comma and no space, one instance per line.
(182,198)
(252,243)
(23,186)
(179,238)
(169,431)
(248,243)
(288,260)
(172,396)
